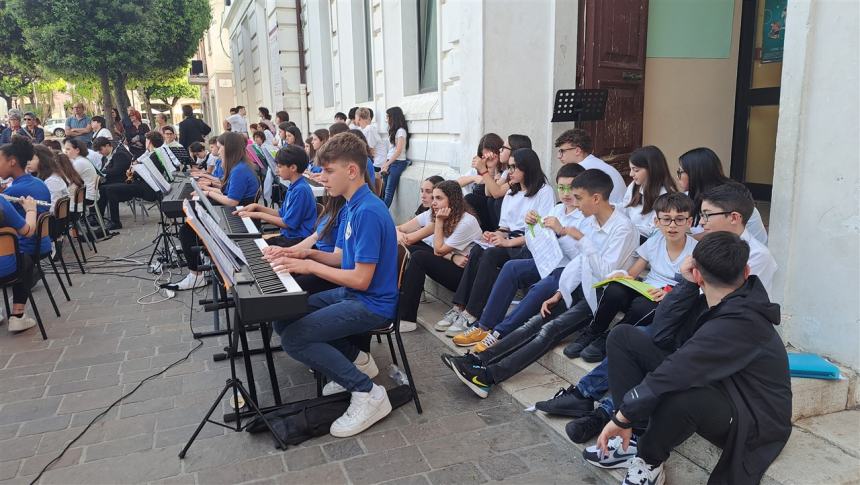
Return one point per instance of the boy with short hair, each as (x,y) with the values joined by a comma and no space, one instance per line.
(199,155)
(606,243)
(728,382)
(364,263)
(575,146)
(377,144)
(340,117)
(297,215)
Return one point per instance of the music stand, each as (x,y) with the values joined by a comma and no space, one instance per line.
(182,155)
(578,105)
(233,384)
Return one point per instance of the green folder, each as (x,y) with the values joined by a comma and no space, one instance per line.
(639,286)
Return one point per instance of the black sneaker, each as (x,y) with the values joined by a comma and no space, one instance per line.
(474,376)
(567,402)
(587,427)
(574,348)
(596,350)
(469,358)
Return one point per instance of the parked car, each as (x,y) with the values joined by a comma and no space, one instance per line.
(55,126)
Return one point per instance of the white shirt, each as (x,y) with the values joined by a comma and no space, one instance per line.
(58,188)
(516,206)
(468,188)
(574,218)
(761,262)
(379,144)
(105,133)
(401,133)
(463,237)
(754,226)
(663,269)
(618,185)
(88,173)
(643,222)
(238,123)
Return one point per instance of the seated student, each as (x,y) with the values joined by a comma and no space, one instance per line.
(69,173)
(259,138)
(199,155)
(23,268)
(240,188)
(523,273)
(44,166)
(576,146)
(699,170)
(123,191)
(170,138)
(298,214)
(99,126)
(317,140)
(529,192)
(114,163)
(726,208)
(417,233)
(336,128)
(14,157)
(727,382)
(663,253)
(492,178)
(651,179)
(606,243)
(371,173)
(77,152)
(366,300)
(454,232)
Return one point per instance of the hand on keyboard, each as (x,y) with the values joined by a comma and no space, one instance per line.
(291,265)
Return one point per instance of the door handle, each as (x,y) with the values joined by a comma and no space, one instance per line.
(631,76)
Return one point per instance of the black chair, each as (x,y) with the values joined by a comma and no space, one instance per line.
(9,247)
(78,218)
(61,227)
(44,228)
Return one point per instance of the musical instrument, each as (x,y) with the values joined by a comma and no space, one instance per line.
(236,227)
(18,200)
(180,190)
(262,295)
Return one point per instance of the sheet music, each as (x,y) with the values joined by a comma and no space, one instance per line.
(219,235)
(483,244)
(165,151)
(163,184)
(201,197)
(166,165)
(181,155)
(269,152)
(226,265)
(146,176)
(543,244)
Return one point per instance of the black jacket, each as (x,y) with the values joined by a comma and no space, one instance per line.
(733,346)
(191,129)
(116,168)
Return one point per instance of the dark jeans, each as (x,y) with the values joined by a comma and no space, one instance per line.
(313,284)
(616,298)
(531,341)
(323,339)
(26,279)
(705,410)
(480,273)
(485,207)
(112,194)
(424,263)
(392,179)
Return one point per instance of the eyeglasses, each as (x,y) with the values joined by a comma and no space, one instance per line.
(680,172)
(667,221)
(704,216)
(505,148)
(564,189)
(561,151)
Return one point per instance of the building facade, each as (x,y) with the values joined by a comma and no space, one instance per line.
(217,88)
(751,79)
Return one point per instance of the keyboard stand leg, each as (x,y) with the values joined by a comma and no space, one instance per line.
(266,333)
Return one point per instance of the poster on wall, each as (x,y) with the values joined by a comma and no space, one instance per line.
(773,31)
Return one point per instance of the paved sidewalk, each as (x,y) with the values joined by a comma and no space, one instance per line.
(105,343)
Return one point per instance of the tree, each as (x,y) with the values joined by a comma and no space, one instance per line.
(17,71)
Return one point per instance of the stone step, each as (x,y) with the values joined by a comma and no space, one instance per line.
(824,446)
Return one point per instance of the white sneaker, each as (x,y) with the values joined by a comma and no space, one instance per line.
(447,320)
(616,456)
(407,326)
(363,412)
(192,281)
(19,324)
(460,325)
(365,364)
(641,473)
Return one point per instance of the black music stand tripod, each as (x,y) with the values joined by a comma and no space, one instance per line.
(579,105)
(166,254)
(235,385)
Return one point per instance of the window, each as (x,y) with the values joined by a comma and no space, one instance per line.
(362,50)
(428,70)
(325,31)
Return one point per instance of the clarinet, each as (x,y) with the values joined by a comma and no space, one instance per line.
(17,200)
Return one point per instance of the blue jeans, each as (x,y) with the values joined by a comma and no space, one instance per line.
(392,179)
(320,339)
(530,305)
(515,274)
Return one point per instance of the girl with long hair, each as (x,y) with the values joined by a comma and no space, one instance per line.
(651,179)
(317,139)
(699,170)
(416,232)
(530,196)
(44,166)
(444,254)
(396,161)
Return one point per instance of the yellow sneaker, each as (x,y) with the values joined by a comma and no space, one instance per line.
(470,337)
(487,342)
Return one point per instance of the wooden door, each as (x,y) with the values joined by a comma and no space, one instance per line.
(611,55)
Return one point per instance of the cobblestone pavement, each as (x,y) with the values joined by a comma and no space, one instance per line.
(105,343)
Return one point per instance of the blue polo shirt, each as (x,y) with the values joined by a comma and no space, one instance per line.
(72,122)
(219,170)
(327,243)
(9,217)
(242,183)
(29,185)
(299,210)
(368,236)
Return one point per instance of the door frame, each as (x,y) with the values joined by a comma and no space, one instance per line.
(746,98)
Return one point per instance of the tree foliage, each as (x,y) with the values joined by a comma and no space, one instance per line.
(170,90)
(17,70)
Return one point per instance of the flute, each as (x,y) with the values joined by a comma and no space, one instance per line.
(17,200)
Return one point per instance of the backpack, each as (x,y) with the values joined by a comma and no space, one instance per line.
(300,421)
